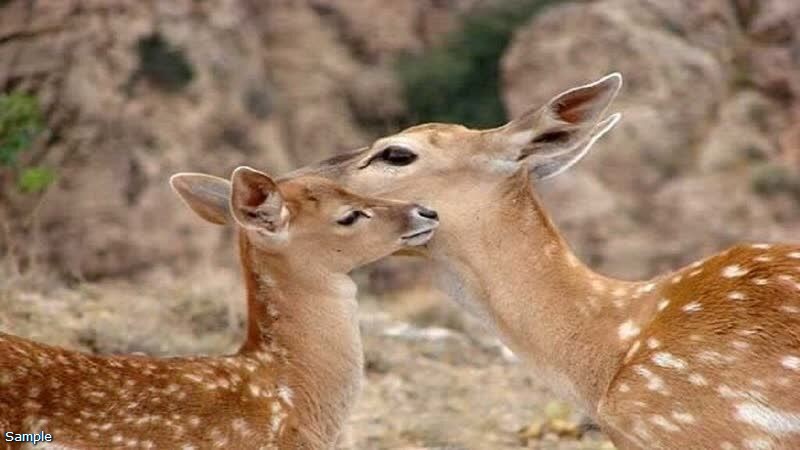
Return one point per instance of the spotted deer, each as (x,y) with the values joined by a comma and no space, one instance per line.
(297,373)
(706,357)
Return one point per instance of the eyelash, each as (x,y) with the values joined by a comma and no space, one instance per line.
(352,217)
(385,156)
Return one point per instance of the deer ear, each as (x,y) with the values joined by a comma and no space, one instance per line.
(565,122)
(543,166)
(256,203)
(206,195)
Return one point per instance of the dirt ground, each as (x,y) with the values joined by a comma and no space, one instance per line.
(434,378)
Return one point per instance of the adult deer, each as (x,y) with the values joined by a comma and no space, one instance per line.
(705,357)
(296,375)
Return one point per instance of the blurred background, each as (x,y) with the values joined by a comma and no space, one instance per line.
(102,100)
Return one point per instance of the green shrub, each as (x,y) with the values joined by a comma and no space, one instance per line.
(459,81)
(20,122)
(33,180)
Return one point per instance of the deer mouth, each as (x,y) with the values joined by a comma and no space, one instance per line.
(418,237)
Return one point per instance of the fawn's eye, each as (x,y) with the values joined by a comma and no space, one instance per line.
(352,217)
(395,155)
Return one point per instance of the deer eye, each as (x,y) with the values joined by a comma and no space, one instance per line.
(352,217)
(396,155)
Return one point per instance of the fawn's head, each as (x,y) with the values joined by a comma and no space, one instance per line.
(308,219)
(457,170)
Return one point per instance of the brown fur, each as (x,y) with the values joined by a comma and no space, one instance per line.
(297,374)
(501,257)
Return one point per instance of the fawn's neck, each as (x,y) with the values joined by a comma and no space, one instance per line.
(306,318)
(516,271)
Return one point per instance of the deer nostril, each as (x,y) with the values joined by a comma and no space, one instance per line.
(427,213)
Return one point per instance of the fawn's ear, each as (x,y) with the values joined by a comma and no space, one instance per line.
(206,195)
(256,203)
(564,123)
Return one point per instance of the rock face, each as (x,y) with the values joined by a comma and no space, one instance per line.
(222,87)
(709,114)
(134,91)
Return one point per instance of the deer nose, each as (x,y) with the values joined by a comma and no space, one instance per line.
(427,213)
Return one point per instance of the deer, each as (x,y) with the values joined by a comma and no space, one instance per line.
(297,373)
(704,357)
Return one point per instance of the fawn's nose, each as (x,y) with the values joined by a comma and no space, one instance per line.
(426,212)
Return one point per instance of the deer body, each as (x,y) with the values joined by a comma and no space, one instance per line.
(705,358)
(294,379)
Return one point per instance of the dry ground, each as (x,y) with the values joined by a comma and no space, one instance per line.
(435,379)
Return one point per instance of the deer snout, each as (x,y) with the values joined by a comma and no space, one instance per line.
(421,223)
(426,212)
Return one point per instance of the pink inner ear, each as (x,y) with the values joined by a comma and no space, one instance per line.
(251,195)
(577,106)
(253,190)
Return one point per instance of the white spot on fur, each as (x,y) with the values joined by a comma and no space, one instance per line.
(662,422)
(763,258)
(647,287)
(760,281)
(795,255)
(277,417)
(676,279)
(715,357)
(654,382)
(628,330)
(285,393)
(692,307)
(698,380)
(623,387)
(791,362)
(790,309)
(669,361)
(761,246)
(653,343)
(193,377)
(733,271)
(740,345)
(771,420)
(736,295)
(662,305)
(695,273)
(683,417)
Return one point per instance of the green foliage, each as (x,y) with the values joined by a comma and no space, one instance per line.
(162,64)
(33,180)
(459,81)
(20,122)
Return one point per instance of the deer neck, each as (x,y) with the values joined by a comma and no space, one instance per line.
(519,275)
(305,319)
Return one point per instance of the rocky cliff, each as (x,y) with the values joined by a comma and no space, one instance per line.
(132,92)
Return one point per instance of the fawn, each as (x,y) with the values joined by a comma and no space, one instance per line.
(707,357)
(296,375)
